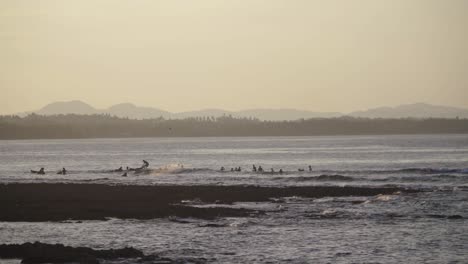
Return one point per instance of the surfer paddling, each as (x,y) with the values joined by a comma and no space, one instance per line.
(41,171)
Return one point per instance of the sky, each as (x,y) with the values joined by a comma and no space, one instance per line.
(182,55)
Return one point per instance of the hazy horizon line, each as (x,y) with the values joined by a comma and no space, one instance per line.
(235,110)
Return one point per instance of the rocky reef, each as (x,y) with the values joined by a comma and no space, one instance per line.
(47,253)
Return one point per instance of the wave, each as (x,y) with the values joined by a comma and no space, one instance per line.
(323,177)
(397,175)
(326,172)
(438,216)
(330,214)
(400,179)
(434,170)
(193,170)
(431,178)
(399,171)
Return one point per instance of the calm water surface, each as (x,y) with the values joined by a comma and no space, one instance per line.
(427,227)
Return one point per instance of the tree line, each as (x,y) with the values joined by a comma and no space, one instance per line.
(36,126)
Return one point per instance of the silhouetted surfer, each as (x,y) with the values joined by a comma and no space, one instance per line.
(310,168)
(260,169)
(145,164)
(281,171)
(124,175)
(62,172)
(41,171)
(254,169)
(119,169)
(222,169)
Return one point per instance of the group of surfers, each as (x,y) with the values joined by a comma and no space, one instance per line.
(260,169)
(136,170)
(41,171)
(63,171)
(145,165)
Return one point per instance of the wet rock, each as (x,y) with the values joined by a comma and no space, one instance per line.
(343,254)
(47,253)
(47,259)
(455,217)
(155,259)
(212,225)
(59,202)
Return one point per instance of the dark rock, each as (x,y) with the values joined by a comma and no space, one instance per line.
(58,202)
(455,217)
(47,253)
(212,225)
(155,259)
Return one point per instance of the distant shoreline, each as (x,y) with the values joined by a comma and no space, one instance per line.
(155,137)
(104,126)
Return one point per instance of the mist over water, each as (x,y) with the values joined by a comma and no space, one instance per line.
(428,226)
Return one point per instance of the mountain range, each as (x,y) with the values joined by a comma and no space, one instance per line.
(417,110)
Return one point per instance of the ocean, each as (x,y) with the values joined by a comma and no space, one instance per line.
(429,226)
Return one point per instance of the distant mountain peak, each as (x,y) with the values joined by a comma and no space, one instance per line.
(122,106)
(67,107)
(72,102)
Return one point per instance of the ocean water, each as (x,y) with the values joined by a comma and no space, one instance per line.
(425,227)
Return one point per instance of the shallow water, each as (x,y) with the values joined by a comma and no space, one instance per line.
(426,227)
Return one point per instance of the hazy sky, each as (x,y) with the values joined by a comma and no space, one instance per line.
(179,55)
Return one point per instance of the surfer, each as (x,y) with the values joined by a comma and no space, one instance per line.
(281,171)
(41,171)
(124,175)
(260,169)
(310,168)
(254,169)
(145,164)
(119,169)
(222,169)
(63,171)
